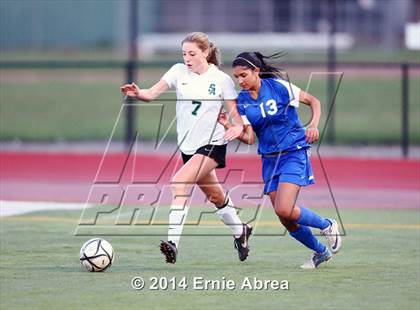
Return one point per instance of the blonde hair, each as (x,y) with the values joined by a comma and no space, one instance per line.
(203,43)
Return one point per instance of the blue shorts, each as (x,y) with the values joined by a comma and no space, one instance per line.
(292,167)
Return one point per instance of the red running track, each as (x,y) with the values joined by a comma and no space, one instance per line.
(69,177)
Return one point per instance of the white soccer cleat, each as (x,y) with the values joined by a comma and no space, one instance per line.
(317,259)
(332,234)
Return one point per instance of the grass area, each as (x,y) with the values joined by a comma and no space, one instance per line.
(368,110)
(377,267)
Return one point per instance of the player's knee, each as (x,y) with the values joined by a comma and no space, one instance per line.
(283,213)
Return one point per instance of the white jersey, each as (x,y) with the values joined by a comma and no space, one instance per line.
(199,101)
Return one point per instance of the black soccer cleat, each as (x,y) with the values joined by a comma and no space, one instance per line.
(241,243)
(168,248)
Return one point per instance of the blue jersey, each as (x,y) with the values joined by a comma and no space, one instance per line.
(273,116)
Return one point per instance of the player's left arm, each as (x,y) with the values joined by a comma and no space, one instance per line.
(238,125)
(312,133)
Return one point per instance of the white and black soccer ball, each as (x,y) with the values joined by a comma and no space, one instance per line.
(96,255)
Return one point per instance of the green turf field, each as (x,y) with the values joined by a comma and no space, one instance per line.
(377,268)
(368,110)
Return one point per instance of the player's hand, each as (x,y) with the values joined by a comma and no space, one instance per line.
(312,134)
(233,132)
(223,119)
(130,90)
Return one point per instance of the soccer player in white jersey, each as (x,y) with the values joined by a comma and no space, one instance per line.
(201,89)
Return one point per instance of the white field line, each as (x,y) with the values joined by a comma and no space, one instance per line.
(9,208)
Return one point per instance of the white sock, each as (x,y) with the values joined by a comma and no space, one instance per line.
(230,218)
(177,216)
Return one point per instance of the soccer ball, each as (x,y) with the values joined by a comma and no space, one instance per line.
(96,255)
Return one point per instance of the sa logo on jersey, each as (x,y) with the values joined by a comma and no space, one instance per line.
(212,89)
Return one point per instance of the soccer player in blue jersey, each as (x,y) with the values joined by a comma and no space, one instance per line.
(268,105)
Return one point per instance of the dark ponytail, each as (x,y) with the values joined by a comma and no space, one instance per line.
(268,70)
(256,60)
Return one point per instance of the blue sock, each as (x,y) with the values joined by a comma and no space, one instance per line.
(304,235)
(310,218)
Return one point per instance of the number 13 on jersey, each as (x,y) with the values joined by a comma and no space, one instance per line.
(271,105)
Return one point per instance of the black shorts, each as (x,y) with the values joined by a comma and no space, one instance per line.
(216,152)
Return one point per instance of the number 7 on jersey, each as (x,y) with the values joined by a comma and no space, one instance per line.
(198,103)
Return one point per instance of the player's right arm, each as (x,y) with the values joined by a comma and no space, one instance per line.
(147,95)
